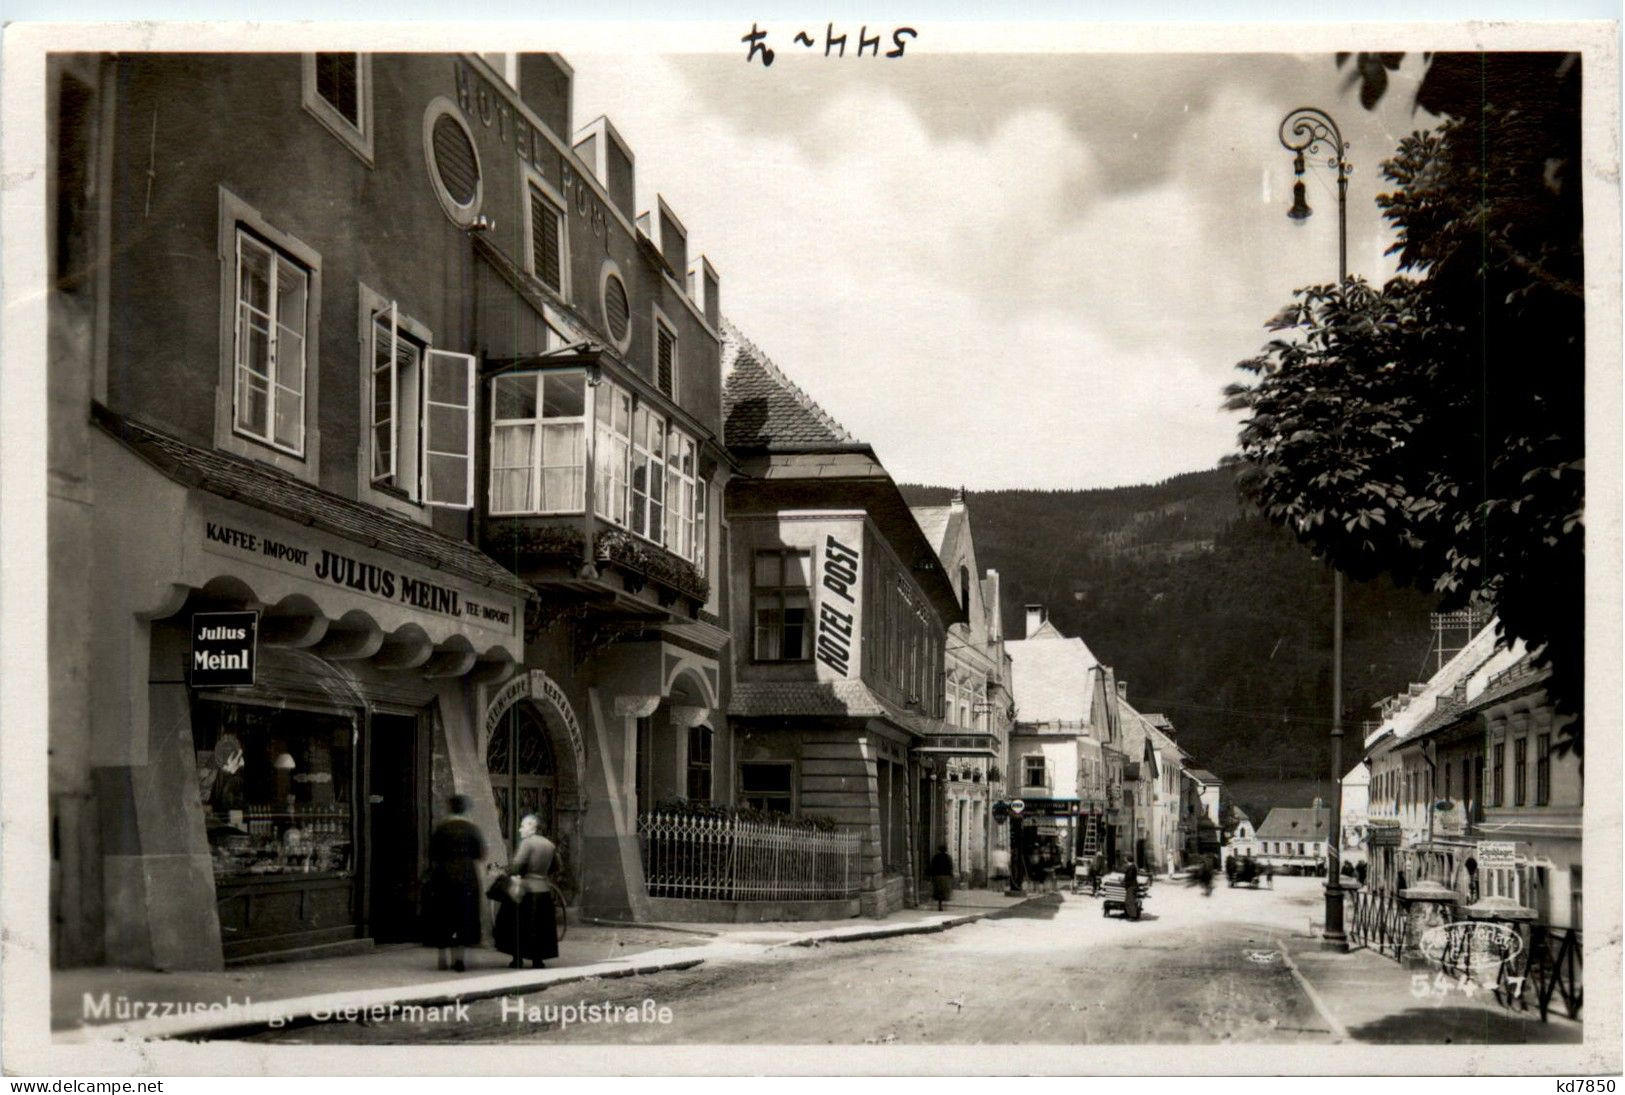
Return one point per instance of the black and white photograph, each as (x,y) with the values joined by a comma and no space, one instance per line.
(984,548)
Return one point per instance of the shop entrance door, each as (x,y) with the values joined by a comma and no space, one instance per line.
(397,798)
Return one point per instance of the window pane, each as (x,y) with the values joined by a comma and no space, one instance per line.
(290,418)
(254,274)
(514,396)
(795,626)
(767,628)
(798,569)
(657,438)
(254,345)
(380,450)
(448,381)
(290,296)
(448,479)
(767,568)
(765,778)
(448,429)
(564,396)
(253,401)
(338,81)
(290,360)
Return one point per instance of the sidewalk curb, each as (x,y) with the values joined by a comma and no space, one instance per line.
(359,1006)
(928,927)
(1338,1030)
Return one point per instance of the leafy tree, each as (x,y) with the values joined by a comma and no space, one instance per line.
(1432,429)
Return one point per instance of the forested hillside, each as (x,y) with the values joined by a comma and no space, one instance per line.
(1213,617)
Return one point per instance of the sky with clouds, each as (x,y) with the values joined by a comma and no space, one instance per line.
(1005,270)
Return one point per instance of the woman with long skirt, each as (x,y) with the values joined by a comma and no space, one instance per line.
(526,929)
(452,897)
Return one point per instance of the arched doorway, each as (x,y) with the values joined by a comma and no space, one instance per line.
(524,774)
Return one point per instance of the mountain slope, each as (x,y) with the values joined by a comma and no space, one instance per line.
(1213,617)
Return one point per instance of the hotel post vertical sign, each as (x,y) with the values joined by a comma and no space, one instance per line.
(223,649)
(840,607)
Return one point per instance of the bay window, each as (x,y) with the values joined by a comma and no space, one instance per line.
(680,495)
(613,453)
(538,443)
(645,471)
(648,474)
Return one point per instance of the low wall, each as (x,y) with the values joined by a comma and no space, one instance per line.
(891,896)
(676,910)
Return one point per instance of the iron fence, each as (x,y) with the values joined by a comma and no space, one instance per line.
(1549,965)
(725,859)
(1377,922)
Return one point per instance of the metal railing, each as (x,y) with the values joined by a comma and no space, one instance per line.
(1548,965)
(725,859)
(1377,922)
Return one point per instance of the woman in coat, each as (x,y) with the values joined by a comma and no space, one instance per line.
(1131,891)
(452,897)
(942,876)
(527,928)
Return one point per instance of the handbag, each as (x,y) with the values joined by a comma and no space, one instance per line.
(506,888)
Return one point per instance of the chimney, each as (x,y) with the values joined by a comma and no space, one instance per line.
(957,502)
(610,159)
(545,81)
(991,597)
(1035,619)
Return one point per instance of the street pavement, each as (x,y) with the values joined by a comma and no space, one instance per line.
(1239,966)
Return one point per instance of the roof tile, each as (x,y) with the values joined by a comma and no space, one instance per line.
(761,407)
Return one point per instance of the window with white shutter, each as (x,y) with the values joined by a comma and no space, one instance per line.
(448,429)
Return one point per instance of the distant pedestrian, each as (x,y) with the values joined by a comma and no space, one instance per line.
(1099,871)
(452,896)
(527,928)
(942,876)
(1230,870)
(1131,891)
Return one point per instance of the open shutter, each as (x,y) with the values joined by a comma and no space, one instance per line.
(448,429)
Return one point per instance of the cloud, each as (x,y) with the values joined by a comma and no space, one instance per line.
(999,271)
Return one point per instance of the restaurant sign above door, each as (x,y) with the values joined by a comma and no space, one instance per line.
(223,649)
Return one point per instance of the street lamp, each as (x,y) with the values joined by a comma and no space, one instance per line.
(1310,134)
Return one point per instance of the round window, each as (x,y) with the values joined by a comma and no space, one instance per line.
(617,308)
(454,163)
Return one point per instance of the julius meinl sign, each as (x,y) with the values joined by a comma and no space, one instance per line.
(223,649)
(332,567)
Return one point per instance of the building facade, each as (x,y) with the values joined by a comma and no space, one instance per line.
(435,402)
(967,760)
(841,610)
(1057,759)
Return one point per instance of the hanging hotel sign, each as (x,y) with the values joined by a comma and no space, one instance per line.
(839,582)
(293,553)
(223,649)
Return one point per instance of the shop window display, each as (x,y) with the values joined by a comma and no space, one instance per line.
(275,786)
